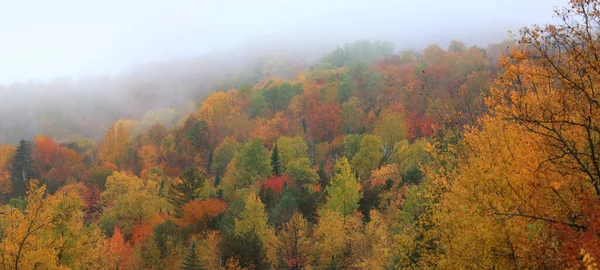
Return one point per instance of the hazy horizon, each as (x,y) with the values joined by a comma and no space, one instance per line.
(67,38)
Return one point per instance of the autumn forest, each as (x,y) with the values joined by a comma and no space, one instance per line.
(371,158)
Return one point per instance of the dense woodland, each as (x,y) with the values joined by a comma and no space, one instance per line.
(454,158)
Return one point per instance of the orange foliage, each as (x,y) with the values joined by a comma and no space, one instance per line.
(173,172)
(324,122)
(141,232)
(7,153)
(201,212)
(118,252)
(55,162)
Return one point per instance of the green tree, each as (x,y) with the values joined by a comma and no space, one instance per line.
(200,136)
(369,156)
(301,171)
(351,116)
(343,192)
(191,261)
(275,161)
(250,164)
(409,157)
(224,154)
(352,145)
(257,106)
(279,97)
(291,148)
(345,88)
(187,188)
(21,168)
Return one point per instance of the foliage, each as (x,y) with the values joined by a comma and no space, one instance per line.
(186,188)
(343,192)
(249,165)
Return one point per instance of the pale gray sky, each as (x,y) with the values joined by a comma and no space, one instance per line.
(41,39)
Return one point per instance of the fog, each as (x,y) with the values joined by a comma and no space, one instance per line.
(111,59)
(45,39)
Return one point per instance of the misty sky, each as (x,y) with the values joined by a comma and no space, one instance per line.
(44,39)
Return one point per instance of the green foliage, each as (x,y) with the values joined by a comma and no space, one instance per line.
(275,161)
(250,164)
(99,175)
(361,51)
(369,156)
(224,154)
(128,201)
(291,149)
(21,168)
(283,208)
(351,116)
(247,248)
(352,145)
(277,98)
(200,136)
(343,193)
(257,106)
(409,157)
(345,88)
(187,189)
(18,203)
(301,171)
(191,261)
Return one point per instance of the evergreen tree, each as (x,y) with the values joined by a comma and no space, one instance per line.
(217,177)
(303,125)
(199,135)
(209,161)
(187,189)
(275,161)
(21,168)
(191,261)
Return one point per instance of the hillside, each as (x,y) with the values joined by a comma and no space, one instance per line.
(453,158)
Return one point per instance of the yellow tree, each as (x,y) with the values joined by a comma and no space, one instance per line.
(344,191)
(294,243)
(7,152)
(115,140)
(368,157)
(390,127)
(253,219)
(130,201)
(48,234)
(338,240)
(378,239)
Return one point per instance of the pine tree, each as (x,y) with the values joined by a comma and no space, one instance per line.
(209,161)
(191,261)
(217,177)
(21,168)
(275,161)
(187,189)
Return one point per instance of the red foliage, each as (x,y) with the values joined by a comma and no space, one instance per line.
(276,183)
(419,126)
(91,199)
(55,162)
(324,122)
(573,240)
